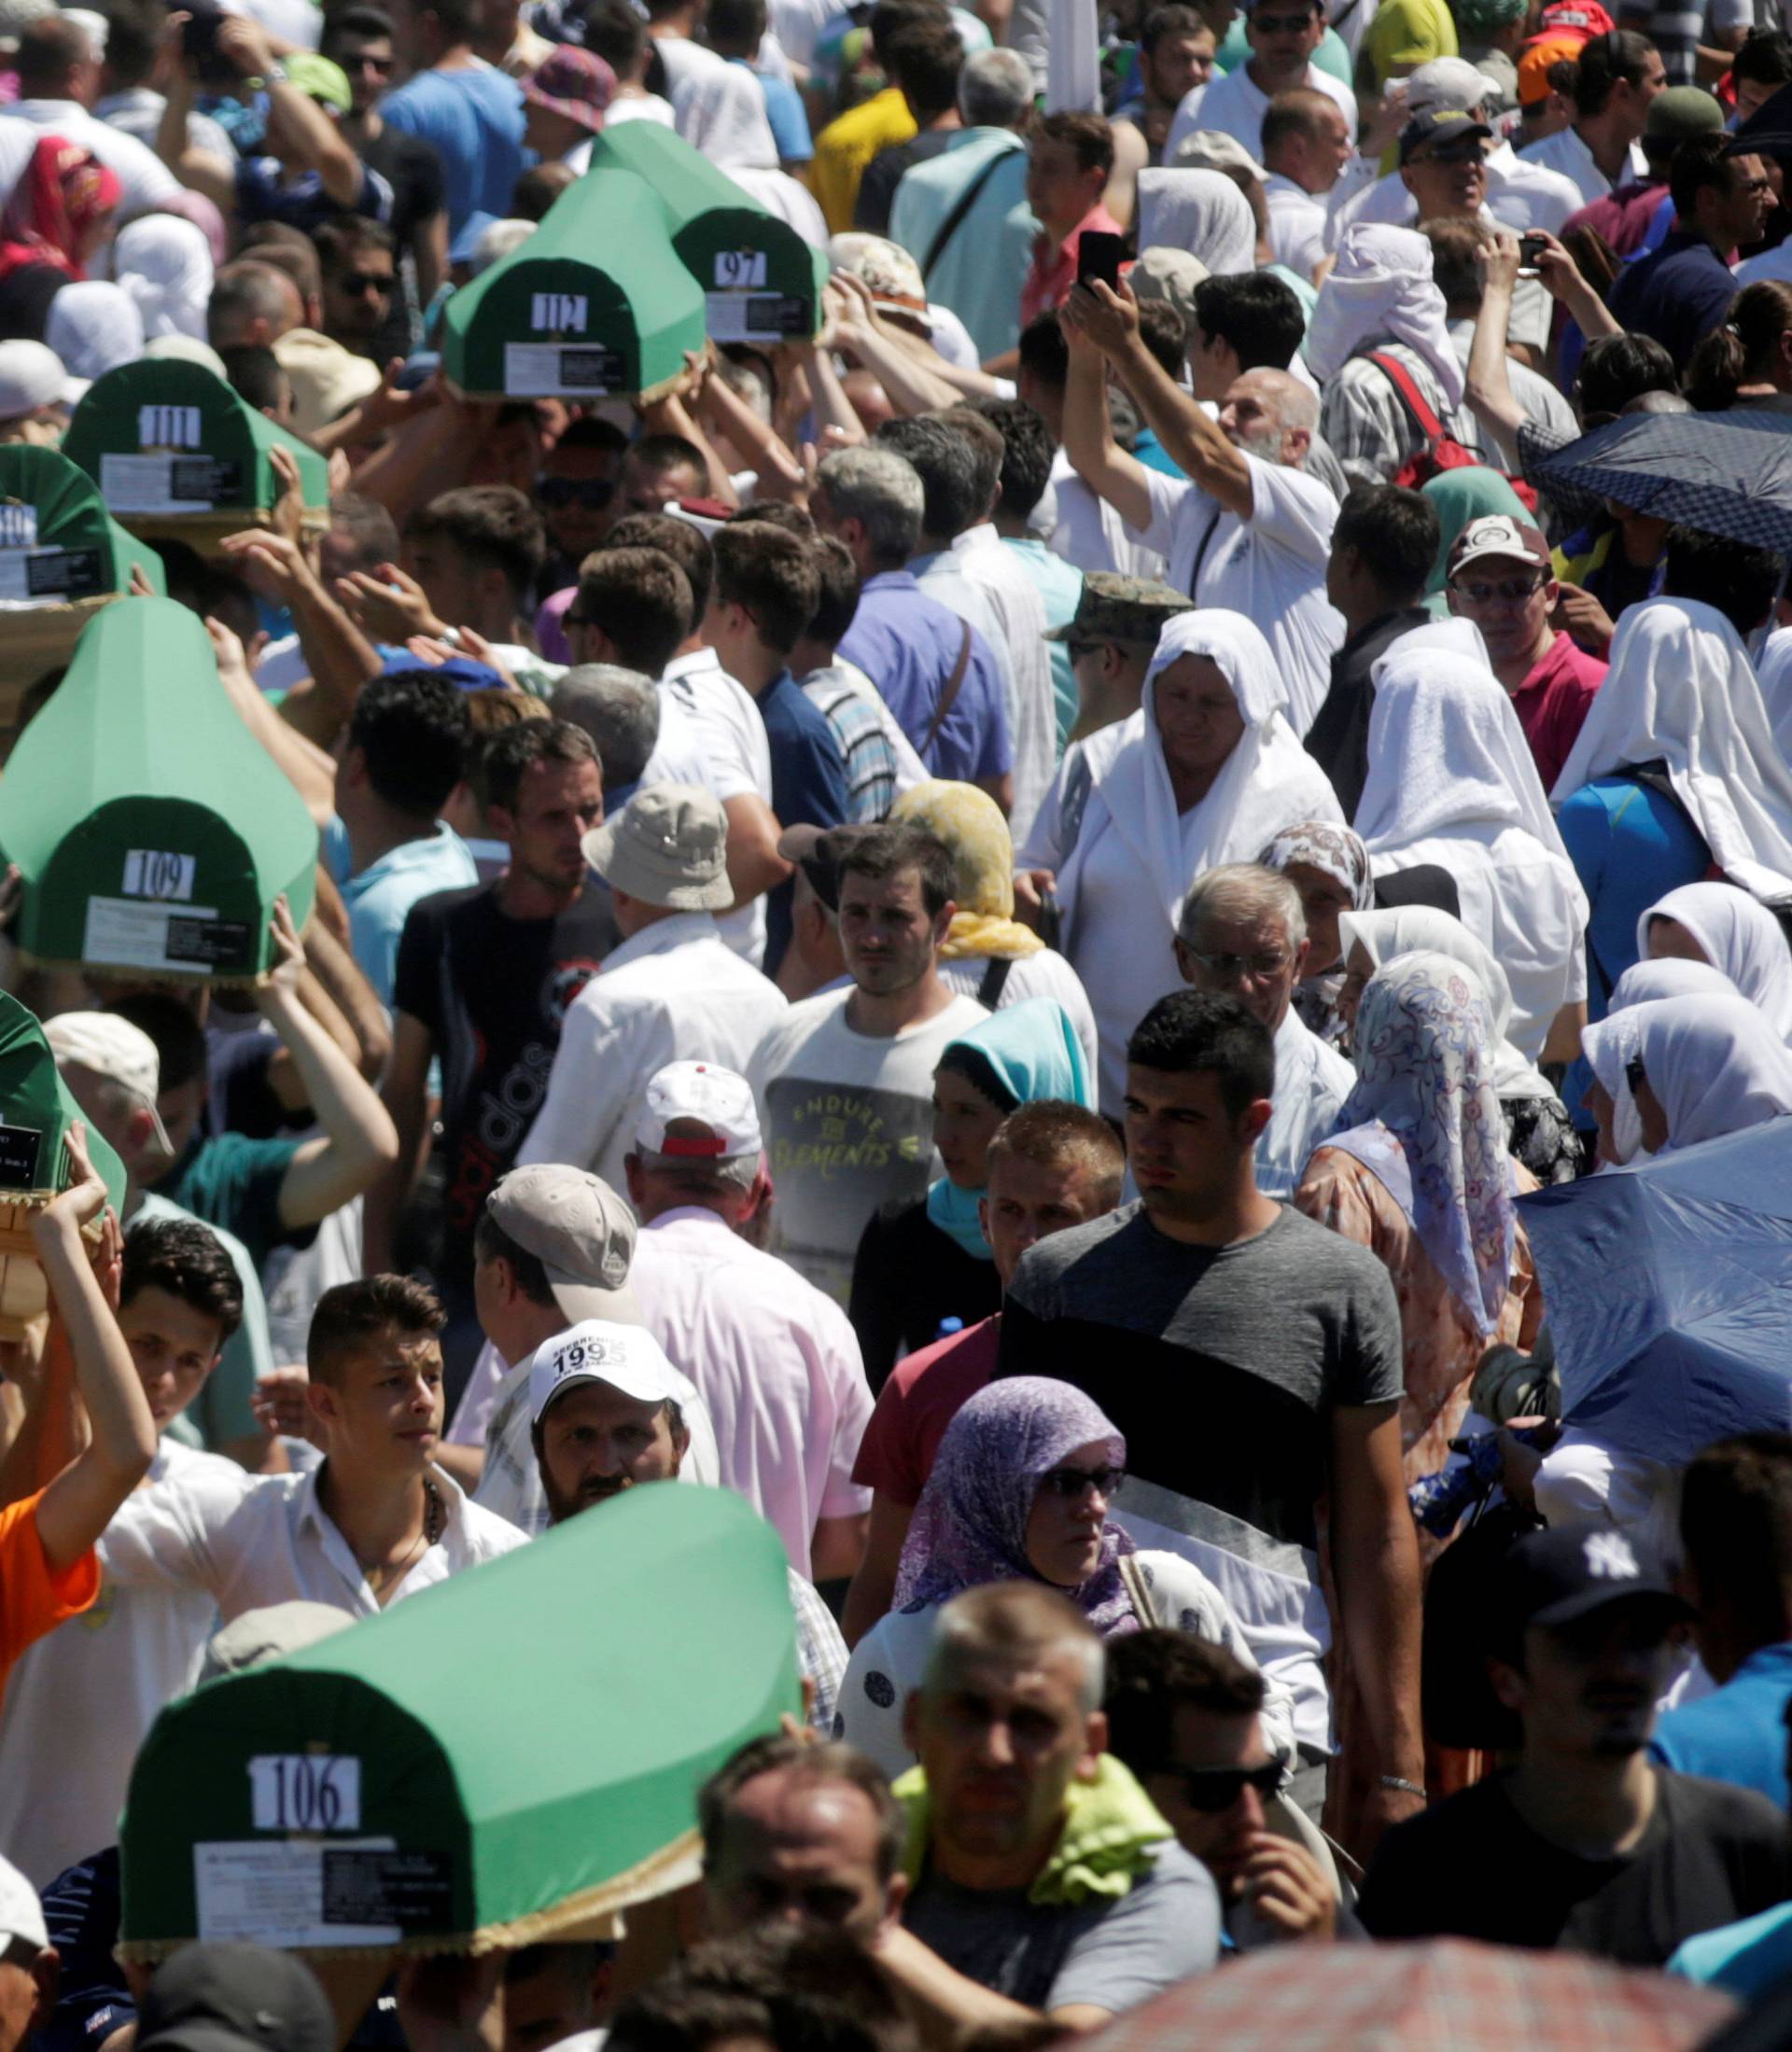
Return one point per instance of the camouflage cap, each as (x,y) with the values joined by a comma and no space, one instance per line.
(1121,609)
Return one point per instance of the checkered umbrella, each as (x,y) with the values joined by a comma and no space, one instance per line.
(1439,1995)
(1726,474)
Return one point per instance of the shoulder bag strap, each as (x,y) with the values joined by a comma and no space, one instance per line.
(1143,1604)
(966,201)
(948,691)
(994,977)
(1401,379)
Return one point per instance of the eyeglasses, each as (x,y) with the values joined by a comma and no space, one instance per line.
(1215,1790)
(1073,1482)
(1472,150)
(1226,967)
(1510,591)
(1634,1074)
(573,618)
(592,493)
(1281,25)
(358,284)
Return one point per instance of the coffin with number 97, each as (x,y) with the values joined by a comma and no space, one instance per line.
(151,830)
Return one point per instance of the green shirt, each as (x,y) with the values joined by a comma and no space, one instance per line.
(1409,33)
(233,1182)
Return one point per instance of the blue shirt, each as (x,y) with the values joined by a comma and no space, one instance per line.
(264,192)
(980,272)
(784,110)
(1746,1959)
(1737,1733)
(908,645)
(1149,451)
(379,896)
(808,784)
(1678,294)
(474,118)
(1059,585)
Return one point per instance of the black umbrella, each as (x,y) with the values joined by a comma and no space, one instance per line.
(1768,132)
(1722,474)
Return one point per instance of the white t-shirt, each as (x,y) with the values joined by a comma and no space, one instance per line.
(1090,534)
(147,182)
(1234,105)
(720,714)
(638,107)
(1270,567)
(1297,224)
(1565,152)
(82,1701)
(849,1126)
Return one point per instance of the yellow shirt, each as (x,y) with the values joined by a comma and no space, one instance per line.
(848,145)
(1409,33)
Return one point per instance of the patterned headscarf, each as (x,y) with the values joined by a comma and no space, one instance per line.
(969,1525)
(1323,845)
(1425,1117)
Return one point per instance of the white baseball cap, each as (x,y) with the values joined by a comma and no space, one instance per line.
(115,1049)
(699,1094)
(30,378)
(1449,82)
(22,1915)
(626,1357)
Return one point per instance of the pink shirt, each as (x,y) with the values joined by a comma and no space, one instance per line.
(1053,271)
(1553,701)
(922,1397)
(775,1361)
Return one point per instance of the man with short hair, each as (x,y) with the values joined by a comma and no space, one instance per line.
(845,1082)
(1616,77)
(633,607)
(358,261)
(1244,527)
(58,70)
(1285,1340)
(1051,1165)
(1384,547)
(1111,640)
(1500,575)
(1069,163)
(879,762)
(471,557)
(252,304)
(1586,1843)
(673,991)
(1683,290)
(1282,36)
(1242,933)
(575,494)
(1457,270)
(1637,213)
(1175,58)
(1306,141)
(469,111)
(619,709)
(777,1363)
(1183,1713)
(925,58)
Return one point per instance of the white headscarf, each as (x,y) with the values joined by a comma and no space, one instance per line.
(1409,928)
(94,326)
(1775,673)
(1713,1064)
(1266,783)
(1740,936)
(165,264)
(1611,1044)
(1382,291)
(1681,690)
(1201,212)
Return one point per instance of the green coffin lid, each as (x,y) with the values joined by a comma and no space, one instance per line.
(57,542)
(594,305)
(505,1759)
(152,831)
(36,1111)
(761,281)
(169,441)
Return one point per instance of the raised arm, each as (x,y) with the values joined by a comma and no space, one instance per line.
(1097,459)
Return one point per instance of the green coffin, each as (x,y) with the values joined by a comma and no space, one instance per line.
(58,541)
(596,304)
(153,833)
(760,281)
(169,442)
(511,1757)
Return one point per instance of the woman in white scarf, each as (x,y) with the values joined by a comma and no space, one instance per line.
(1718,924)
(1704,1066)
(1610,1046)
(1201,213)
(165,265)
(1538,1132)
(1452,781)
(94,326)
(1206,771)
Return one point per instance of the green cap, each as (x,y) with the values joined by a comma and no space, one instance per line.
(1121,609)
(1679,112)
(321,78)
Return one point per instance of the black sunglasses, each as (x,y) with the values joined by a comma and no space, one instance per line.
(1215,1790)
(358,284)
(592,493)
(1073,1482)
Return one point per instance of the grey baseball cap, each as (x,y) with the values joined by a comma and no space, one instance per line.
(580,1232)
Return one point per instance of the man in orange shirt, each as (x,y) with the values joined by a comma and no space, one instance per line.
(58,1494)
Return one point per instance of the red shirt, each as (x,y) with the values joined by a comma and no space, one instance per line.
(923,1395)
(1552,704)
(1053,271)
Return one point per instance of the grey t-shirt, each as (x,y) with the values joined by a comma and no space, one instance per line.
(1107,1954)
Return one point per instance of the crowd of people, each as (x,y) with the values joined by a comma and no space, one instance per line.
(1009,928)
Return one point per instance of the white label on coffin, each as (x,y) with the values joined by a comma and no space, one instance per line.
(581,371)
(271,1891)
(144,484)
(126,933)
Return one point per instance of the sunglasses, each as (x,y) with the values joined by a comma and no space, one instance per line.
(1073,1482)
(1215,1790)
(592,493)
(1283,24)
(358,284)
(1472,150)
(363,62)
(1512,590)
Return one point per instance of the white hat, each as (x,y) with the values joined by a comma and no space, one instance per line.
(702,1095)
(187,349)
(1450,82)
(31,377)
(115,1049)
(668,845)
(326,378)
(1214,150)
(626,1357)
(22,1915)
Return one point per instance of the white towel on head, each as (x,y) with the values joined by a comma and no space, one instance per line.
(1380,290)
(94,326)
(1713,1064)
(1740,936)
(1202,212)
(165,264)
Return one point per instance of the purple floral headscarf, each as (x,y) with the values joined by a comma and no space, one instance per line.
(969,1525)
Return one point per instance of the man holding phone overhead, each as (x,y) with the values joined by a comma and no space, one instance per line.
(1069,163)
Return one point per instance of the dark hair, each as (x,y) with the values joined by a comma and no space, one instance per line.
(1742,351)
(838,600)
(537,189)
(667,452)
(132,36)
(1152,1674)
(890,18)
(1454,244)
(182,1055)
(734,27)
(1615,369)
(287,250)
(252,372)
(353,1313)
(491,1242)
(413,727)
(616,32)
(1395,532)
(1043,351)
(490,712)
(455,18)
(518,748)
(372,25)
(1291,115)
(1051,1130)
(1740,582)
(341,241)
(590,433)
(949,467)
(1604,61)
(1027,454)
(925,58)
(882,852)
(1193,1030)
(1736,1525)
(249,290)
(368,525)
(49,49)
(493,525)
(189,1261)
(795,1986)
(1765,58)
(1701,163)
(773,1753)
(640,600)
(1161,23)
(773,576)
(1089,137)
(687,547)
(1165,334)
(1253,313)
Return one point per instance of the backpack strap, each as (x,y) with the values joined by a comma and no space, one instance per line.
(1397,375)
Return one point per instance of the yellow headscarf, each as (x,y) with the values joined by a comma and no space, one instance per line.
(970,823)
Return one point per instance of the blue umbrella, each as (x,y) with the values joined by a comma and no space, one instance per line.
(1726,474)
(1669,1289)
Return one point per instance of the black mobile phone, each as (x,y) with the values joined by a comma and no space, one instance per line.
(1529,248)
(1098,255)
